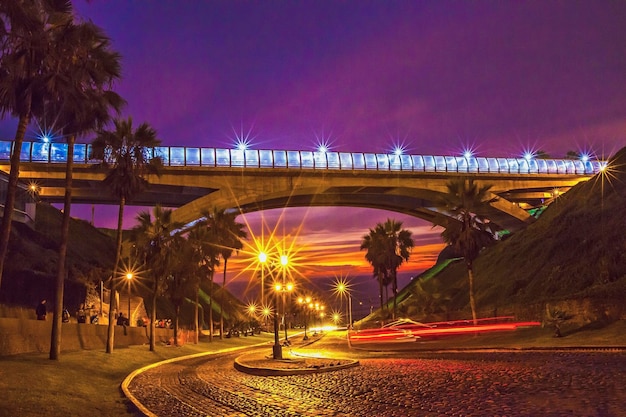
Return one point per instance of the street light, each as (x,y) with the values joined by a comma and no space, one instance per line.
(306,305)
(342,288)
(129,278)
(283,289)
(262,261)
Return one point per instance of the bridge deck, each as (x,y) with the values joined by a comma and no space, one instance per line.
(173,156)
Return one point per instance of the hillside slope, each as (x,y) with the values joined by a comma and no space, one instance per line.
(31,265)
(575,250)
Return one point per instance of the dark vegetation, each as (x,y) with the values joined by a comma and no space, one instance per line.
(31,269)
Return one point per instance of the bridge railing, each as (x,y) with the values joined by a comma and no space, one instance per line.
(179,156)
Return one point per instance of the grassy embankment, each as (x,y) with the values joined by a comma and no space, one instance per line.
(86,382)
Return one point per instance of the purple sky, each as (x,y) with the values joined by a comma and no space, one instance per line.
(434,76)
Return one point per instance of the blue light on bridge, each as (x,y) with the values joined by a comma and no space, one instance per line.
(179,156)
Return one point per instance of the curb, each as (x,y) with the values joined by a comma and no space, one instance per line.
(269,371)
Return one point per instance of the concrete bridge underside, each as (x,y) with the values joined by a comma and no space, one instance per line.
(194,189)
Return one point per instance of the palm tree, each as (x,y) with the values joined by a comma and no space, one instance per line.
(467,229)
(399,246)
(374,242)
(203,241)
(126,153)
(29,32)
(228,234)
(152,238)
(388,246)
(182,275)
(82,104)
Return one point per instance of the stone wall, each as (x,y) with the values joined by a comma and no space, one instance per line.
(19,335)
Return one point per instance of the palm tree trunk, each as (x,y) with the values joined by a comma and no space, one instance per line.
(55,336)
(176,314)
(9,202)
(211,307)
(222,297)
(153,310)
(113,286)
(470,276)
(196,313)
(380,292)
(395,295)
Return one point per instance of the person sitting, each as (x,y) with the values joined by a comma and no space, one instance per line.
(41,310)
(81,314)
(65,316)
(121,320)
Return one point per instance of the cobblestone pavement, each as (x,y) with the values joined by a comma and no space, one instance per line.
(433,384)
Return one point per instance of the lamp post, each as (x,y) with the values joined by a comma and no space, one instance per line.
(129,278)
(262,261)
(283,289)
(305,302)
(343,289)
(277,349)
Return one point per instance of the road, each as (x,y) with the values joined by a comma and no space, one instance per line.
(406,383)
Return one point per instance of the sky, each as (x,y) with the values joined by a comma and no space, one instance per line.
(435,77)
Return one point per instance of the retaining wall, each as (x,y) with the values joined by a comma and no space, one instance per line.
(19,335)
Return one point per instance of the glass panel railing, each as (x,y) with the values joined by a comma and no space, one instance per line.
(222,157)
(503,165)
(440,163)
(579,166)
(332,159)
(319,160)
(482,164)
(40,152)
(358,161)
(293,159)
(237,158)
(451,164)
(406,163)
(177,156)
(542,167)
(80,153)
(207,157)
(522,163)
(252,158)
(513,166)
(370,161)
(163,152)
(429,163)
(192,156)
(5,150)
(25,153)
(382,161)
(306,159)
(532,166)
(345,160)
(58,152)
(395,163)
(266,159)
(418,163)
(280,158)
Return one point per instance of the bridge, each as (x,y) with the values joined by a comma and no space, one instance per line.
(197,178)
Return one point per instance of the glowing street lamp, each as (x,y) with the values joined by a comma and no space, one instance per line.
(342,288)
(262,261)
(306,304)
(284,288)
(129,278)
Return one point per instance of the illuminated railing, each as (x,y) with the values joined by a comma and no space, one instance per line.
(178,156)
